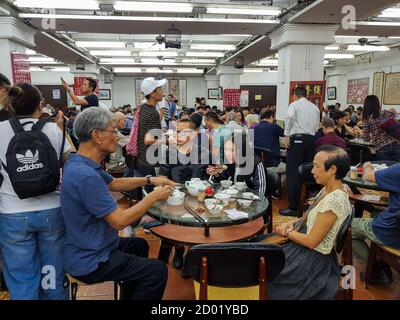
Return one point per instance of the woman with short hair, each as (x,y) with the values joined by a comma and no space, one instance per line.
(311,268)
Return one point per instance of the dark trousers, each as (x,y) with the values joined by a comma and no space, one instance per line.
(141,278)
(301,150)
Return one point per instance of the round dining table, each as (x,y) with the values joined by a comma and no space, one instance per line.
(187,225)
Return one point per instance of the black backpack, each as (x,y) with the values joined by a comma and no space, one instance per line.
(32,163)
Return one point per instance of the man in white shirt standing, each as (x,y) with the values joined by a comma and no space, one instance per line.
(301,124)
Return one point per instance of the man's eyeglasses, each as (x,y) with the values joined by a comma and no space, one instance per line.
(115,131)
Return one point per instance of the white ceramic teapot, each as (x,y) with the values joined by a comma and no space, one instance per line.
(194,185)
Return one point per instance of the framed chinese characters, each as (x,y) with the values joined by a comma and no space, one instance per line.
(392,89)
(378,85)
(315,91)
(357,90)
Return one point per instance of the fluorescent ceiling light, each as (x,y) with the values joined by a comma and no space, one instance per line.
(199,61)
(204,54)
(54,69)
(252,70)
(117,61)
(221,47)
(390,13)
(338,56)
(152,6)
(394,38)
(111,53)
(357,37)
(30,52)
(158,70)
(332,48)
(58,4)
(145,18)
(158,54)
(157,61)
(41,59)
(189,70)
(234,35)
(44,62)
(367,48)
(378,23)
(126,70)
(257,12)
(268,62)
(100,44)
(149,46)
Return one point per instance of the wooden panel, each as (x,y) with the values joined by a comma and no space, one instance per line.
(268,95)
(193,235)
(47,92)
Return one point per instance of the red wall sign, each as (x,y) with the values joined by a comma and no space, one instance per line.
(20,67)
(78,82)
(315,91)
(232,97)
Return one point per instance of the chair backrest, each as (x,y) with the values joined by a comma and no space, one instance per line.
(306,176)
(342,233)
(235,264)
(265,155)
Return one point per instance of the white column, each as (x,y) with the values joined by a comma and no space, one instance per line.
(301,57)
(229,78)
(14,36)
(212,83)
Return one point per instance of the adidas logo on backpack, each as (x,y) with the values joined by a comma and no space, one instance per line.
(29,160)
(32,162)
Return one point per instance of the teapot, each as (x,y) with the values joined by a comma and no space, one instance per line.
(194,185)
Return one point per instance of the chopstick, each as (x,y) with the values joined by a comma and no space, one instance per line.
(192,212)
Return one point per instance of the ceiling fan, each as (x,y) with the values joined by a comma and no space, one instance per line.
(364,42)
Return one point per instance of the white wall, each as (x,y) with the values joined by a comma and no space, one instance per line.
(259,79)
(387,62)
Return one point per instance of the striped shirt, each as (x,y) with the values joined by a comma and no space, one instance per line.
(372,132)
(149,119)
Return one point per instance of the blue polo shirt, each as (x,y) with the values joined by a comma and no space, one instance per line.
(385,225)
(85,201)
(266,135)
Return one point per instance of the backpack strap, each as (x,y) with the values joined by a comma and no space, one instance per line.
(16,125)
(41,123)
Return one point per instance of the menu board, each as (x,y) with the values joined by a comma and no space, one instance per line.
(315,91)
(20,67)
(378,85)
(232,97)
(357,90)
(392,89)
(78,82)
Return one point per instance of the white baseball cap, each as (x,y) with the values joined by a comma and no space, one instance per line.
(150,84)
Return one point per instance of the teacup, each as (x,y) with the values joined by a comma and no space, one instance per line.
(226,183)
(248,195)
(240,186)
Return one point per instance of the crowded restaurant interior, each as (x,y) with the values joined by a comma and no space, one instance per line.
(199,150)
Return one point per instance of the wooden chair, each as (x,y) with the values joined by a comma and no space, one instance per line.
(307,181)
(343,246)
(390,255)
(234,265)
(75,284)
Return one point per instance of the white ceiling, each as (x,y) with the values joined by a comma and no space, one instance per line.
(249,34)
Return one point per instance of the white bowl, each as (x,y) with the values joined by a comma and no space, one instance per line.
(245,203)
(224,197)
(248,195)
(176,199)
(215,209)
(233,193)
(210,202)
(226,183)
(240,186)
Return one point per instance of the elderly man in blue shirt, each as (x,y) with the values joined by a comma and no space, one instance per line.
(93,251)
(384,229)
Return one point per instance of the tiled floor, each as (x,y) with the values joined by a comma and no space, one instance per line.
(182,289)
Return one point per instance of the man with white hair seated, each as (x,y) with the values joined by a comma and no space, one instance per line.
(93,251)
(117,159)
(232,124)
